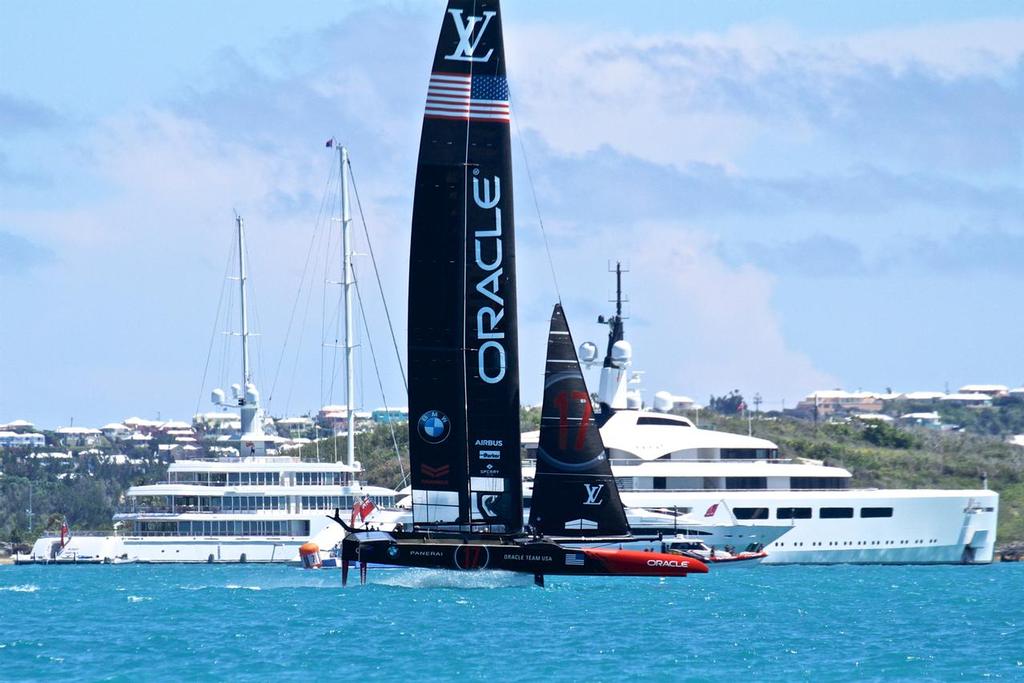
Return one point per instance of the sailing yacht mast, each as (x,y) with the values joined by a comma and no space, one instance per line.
(347,282)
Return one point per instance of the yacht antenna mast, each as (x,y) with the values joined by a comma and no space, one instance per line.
(244,396)
(618,289)
(246,377)
(614,371)
(347,282)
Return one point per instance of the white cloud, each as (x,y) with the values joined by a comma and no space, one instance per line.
(985,47)
(732,97)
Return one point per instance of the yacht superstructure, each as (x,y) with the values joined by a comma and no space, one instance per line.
(245,509)
(663,461)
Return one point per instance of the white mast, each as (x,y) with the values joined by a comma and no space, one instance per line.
(347,282)
(252,440)
(246,377)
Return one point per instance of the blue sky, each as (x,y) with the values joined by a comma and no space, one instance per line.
(809,195)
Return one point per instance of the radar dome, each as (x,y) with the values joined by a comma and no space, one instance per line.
(588,352)
(634,401)
(663,401)
(236,390)
(217,396)
(251,395)
(622,354)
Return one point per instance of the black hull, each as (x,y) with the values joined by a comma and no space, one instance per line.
(515,554)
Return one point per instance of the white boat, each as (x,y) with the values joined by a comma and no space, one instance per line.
(663,461)
(245,509)
(256,507)
(727,557)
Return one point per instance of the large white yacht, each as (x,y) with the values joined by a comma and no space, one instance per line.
(246,509)
(663,461)
(254,507)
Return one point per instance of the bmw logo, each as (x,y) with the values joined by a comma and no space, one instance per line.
(434,426)
(392,551)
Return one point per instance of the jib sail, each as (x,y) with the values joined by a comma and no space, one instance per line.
(463,341)
(574,492)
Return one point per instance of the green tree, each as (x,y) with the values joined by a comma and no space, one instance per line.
(730,404)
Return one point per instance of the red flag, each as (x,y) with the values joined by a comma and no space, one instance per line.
(711,510)
(741,407)
(366,508)
(355,514)
(64,531)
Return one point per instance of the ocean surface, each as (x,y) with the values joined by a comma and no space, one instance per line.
(252,622)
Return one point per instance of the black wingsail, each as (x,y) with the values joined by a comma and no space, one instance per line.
(463,340)
(574,492)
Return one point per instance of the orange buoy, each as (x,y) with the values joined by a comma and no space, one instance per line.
(309,554)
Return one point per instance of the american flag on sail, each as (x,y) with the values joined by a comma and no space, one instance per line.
(467,98)
(575,559)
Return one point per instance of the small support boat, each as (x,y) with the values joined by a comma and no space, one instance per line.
(699,550)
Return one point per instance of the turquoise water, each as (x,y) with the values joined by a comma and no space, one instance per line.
(258,622)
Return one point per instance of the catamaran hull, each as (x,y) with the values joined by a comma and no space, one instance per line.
(532,557)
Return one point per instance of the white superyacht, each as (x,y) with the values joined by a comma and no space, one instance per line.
(663,461)
(254,507)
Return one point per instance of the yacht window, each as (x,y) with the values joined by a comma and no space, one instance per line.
(740,483)
(835,513)
(876,512)
(666,421)
(817,483)
(744,454)
(793,513)
(750,513)
(658,483)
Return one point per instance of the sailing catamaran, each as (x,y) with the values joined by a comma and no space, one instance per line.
(463,358)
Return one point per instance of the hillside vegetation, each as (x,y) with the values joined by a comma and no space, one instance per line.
(85,489)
